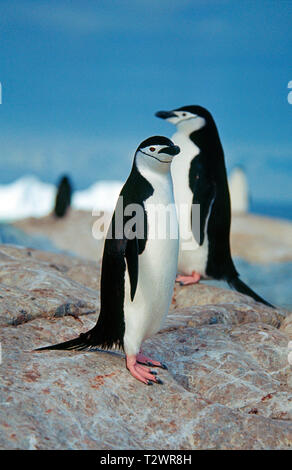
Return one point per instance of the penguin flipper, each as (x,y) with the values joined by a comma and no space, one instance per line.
(132,256)
(204,192)
(205,209)
(205,200)
(241,287)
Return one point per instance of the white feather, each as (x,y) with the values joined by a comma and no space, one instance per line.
(192,257)
(157,269)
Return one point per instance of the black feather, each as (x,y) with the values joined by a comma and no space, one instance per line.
(241,287)
(81,342)
(63,197)
(204,193)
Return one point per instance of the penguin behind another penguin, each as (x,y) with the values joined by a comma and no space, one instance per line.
(63,197)
(200,178)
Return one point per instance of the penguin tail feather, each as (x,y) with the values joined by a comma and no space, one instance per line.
(241,287)
(79,343)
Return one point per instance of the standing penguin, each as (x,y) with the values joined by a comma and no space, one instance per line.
(63,197)
(239,191)
(136,286)
(199,177)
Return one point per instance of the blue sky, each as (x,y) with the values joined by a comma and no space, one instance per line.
(81,81)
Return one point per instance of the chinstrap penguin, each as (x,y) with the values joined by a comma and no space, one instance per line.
(136,289)
(239,191)
(63,197)
(199,177)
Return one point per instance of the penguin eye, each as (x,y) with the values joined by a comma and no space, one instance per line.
(152,149)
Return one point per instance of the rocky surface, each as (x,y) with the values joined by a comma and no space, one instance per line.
(261,239)
(228,385)
(73,233)
(13,235)
(262,247)
(35,283)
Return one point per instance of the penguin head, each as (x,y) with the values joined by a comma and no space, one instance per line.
(156,152)
(187,118)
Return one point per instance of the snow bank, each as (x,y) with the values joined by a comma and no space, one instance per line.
(30,197)
(102,195)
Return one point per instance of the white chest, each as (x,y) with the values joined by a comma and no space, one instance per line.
(192,257)
(180,168)
(157,266)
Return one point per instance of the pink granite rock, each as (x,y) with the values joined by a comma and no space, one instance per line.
(227,386)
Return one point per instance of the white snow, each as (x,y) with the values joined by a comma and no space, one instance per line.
(239,191)
(26,197)
(102,195)
(30,197)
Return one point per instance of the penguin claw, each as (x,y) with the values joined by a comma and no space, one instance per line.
(161,365)
(140,372)
(141,359)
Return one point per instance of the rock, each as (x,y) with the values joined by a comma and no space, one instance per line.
(12,235)
(238,307)
(73,233)
(254,238)
(261,247)
(261,239)
(227,386)
(40,284)
(286,326)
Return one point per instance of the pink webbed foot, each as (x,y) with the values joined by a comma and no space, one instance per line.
(140,372)
(150,362)
(188,280)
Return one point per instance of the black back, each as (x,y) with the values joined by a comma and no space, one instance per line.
(208,182)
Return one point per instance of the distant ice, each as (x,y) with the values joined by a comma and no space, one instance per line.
(102,195)
(239,192)
(25,197)
(30,197)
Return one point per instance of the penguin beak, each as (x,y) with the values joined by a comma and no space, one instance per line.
(165,114)
(172,150)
